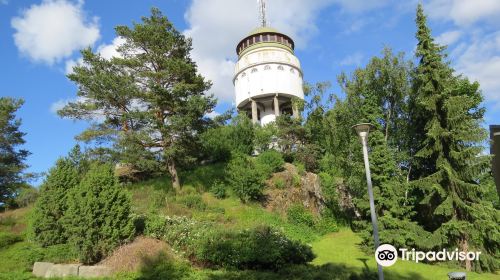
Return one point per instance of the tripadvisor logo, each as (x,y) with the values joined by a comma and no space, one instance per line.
(387,255)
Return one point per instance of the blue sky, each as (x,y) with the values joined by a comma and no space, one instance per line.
(40,41)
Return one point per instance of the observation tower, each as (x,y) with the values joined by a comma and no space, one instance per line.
(268,74)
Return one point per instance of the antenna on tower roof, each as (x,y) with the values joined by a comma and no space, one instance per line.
(262,12)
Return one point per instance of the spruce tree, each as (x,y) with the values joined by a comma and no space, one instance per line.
(449,162)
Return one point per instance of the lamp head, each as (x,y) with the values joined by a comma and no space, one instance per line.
(362,129)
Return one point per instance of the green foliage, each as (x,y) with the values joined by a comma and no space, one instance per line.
(193,201)
(246,180)
(279,183)
(270,161)
(218,189)
(26,196)
(326,225)
(298,214)
(98,215)
(169,118)
(448,165)
(259,248)
(7,239)
(11,157)
(46,222)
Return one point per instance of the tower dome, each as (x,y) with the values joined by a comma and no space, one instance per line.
(267,75)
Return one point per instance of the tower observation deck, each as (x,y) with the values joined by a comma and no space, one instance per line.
(267,75)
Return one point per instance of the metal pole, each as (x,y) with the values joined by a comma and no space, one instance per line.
(364,140)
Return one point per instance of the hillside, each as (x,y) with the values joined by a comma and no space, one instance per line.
(338,255)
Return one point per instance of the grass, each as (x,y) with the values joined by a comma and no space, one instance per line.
(341,248)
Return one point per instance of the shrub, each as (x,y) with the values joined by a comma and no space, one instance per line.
(245,179)
(26,196)
(258,248)
(193,201)
(279,183)
(326,225)
(98,217)
(299,215)
(7,239)
(46,225)
(270,161)
(218,189)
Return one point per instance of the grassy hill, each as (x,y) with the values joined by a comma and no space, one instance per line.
(338,253)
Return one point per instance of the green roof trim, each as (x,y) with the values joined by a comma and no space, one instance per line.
(263,29)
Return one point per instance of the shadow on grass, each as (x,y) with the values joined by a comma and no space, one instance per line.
(165,267)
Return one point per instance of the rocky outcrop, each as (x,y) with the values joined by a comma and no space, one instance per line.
(288,187)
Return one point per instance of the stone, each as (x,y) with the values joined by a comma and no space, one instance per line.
(94,271)
(62,270)
(41,268)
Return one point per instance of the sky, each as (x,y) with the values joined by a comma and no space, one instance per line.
(40,42)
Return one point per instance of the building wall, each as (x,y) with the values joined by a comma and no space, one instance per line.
(267,71)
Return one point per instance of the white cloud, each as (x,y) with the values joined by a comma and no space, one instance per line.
(53,30)
(480,61)
(353,59)
(464,12)
(107,51)
(4,2)
(212,115)
(449,38)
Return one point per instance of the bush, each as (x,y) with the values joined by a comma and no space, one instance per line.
(259,248)
(193,201)
(271,161)
(98,217)
(218,189)
(26,196)
(7,239)
(245,179)
(326,225)
(46,224)
(299,215)
(279,183)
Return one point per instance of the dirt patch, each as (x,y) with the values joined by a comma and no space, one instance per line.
(132,256)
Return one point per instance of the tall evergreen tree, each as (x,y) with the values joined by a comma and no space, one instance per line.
(152,95)
(449,162)
(11,157)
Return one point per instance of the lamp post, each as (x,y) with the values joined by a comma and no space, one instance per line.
(363,129)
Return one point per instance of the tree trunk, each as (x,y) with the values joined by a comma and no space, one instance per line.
(464,244)
(176,184)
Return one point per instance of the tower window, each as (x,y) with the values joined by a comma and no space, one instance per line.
(267,67)
(257,39)
(254,70)
(281,68)
(243,75)
(292,71)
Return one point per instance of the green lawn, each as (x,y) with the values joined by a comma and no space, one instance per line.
(341,248)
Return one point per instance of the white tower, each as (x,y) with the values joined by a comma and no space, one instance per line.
(267,74)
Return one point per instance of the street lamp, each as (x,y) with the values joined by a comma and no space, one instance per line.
(363,129)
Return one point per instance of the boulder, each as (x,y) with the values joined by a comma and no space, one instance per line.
(94,271)
(40,268)
(62,270)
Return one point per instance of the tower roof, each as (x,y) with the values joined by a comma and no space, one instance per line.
(263,29)
(264,36)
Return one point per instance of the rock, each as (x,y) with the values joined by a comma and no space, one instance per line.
(62,270)
(94,271)
(295,189)
(41,268)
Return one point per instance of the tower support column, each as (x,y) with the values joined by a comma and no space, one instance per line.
(295,110)
(255,118)
(276,106)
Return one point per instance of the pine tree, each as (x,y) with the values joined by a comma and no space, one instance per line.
(11,157)
(152,98)
(449,162)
